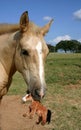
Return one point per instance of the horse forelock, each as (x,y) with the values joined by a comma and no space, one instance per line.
(34,28)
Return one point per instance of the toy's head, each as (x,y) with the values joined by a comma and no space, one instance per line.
(27,97)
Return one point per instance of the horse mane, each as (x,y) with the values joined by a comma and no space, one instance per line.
(7,28)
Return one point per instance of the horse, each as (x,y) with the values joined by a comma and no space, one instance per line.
(23,49)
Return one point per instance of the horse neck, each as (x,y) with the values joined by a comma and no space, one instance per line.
(7,54)
(13,46)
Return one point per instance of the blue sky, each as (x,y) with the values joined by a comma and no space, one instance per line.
(66,15)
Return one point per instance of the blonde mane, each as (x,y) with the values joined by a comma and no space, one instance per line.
(8,28)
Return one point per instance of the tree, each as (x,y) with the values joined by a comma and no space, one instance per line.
(79,48)
(73,45)
(69,45)
(51,48)
(62,45)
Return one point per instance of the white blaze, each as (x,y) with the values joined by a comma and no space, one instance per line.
(41,68)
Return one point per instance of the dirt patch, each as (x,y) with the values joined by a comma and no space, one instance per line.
(11,111)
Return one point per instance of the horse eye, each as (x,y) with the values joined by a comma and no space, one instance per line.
(24,52)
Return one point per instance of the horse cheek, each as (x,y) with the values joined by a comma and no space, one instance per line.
(18,62)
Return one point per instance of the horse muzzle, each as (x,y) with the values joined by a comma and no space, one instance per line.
(38,94)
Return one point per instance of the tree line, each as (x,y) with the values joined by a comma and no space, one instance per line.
(66,46)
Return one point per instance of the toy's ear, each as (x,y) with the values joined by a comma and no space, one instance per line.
(29,95)
(28,91)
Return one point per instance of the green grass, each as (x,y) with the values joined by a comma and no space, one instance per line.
(63,96)
(63,68)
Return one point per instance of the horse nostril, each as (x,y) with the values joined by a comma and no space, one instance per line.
(36,94)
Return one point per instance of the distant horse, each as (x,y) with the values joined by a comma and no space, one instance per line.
(23,49)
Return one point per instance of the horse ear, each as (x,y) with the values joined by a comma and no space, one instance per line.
(24,21)
(46,28)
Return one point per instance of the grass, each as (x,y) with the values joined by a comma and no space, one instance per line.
(64,68)
(63,97)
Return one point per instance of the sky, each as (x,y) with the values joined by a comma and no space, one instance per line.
(66,15)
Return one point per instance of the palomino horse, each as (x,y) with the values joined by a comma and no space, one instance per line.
(23,49)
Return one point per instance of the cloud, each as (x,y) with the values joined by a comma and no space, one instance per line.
(47,18)
(79,40)
(60,38)
(77,14)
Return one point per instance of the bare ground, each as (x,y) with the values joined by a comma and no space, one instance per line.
(11,115)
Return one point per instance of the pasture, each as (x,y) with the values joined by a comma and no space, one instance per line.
(63,96)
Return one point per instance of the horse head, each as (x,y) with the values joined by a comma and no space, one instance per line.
(31,52)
